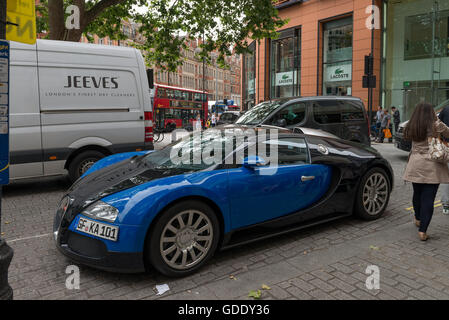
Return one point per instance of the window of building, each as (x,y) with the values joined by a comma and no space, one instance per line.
(249,77)
(420,29)
(337,57)
(285,64)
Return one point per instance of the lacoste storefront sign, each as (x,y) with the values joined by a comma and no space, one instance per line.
(339,73)
(286,78)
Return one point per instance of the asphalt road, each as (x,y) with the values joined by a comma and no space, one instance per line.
(323,262)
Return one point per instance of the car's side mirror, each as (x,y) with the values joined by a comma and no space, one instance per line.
(280,123)
(253,162)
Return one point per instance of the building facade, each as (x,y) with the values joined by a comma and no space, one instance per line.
(322,49)
(219,83)
(416,53)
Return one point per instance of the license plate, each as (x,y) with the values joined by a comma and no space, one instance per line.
(97,229)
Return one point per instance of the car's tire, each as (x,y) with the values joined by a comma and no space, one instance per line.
(82,162)
(173,257)
(373,194)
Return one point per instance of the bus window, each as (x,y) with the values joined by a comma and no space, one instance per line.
(161,93)
(170,94)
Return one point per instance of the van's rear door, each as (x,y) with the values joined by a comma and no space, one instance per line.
(91,97)
(25,123)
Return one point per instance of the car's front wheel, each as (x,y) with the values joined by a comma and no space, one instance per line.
(183,238)
(373,194)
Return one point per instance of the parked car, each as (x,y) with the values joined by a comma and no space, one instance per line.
(133,211)
(399,140)
(345,117)
(71,104)
(228,117)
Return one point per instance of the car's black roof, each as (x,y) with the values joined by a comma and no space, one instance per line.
(309,98)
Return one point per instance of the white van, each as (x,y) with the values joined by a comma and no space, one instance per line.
(74,103)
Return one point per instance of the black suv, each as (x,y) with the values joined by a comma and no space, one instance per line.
(344,117)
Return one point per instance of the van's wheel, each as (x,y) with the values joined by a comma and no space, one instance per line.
(373,194)
(82,162)
(183,239)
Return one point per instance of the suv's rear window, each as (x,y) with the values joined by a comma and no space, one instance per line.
(333,111)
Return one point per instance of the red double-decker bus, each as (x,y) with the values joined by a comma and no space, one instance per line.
(175,107)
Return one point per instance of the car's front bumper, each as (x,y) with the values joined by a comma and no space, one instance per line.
(93,251)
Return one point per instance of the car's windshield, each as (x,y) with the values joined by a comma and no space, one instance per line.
(259,113)
(195,152)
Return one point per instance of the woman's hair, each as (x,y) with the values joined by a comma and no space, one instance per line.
(421,123)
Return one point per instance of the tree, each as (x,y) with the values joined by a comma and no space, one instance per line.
(226,26)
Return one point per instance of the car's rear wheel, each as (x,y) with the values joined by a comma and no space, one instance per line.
(183,238)
(373,194)
(82,162)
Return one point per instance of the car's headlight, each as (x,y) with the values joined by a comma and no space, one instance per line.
(102,211)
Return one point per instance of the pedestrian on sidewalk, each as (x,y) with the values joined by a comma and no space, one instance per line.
(384,124)
(444,117)
(379,116)
(424,174)
(396,119)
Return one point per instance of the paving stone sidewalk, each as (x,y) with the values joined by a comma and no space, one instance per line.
(323,262)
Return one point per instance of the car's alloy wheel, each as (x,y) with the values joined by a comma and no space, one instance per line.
(186,239)
(373,194)
(182,238)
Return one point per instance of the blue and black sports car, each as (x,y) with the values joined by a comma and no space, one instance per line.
(133,211)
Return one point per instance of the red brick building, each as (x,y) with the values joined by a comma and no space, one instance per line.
(320,51)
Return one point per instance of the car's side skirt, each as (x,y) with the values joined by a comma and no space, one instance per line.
(261,231)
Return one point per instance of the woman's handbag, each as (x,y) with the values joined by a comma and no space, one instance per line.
(438,149)
(387,133)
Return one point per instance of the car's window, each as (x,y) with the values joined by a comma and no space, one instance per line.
(351,111)
(292,114)
(197,151)
(290,150)
(326,112)
(259,113)
(225,117)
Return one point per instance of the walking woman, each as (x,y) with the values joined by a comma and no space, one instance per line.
(424,173)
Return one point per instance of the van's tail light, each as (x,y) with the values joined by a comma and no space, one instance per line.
(148,126)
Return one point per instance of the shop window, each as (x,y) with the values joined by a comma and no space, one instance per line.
(249,77)
(337,57)
(285,64)
(419,30)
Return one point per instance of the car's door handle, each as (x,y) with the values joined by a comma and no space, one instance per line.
(307,178)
